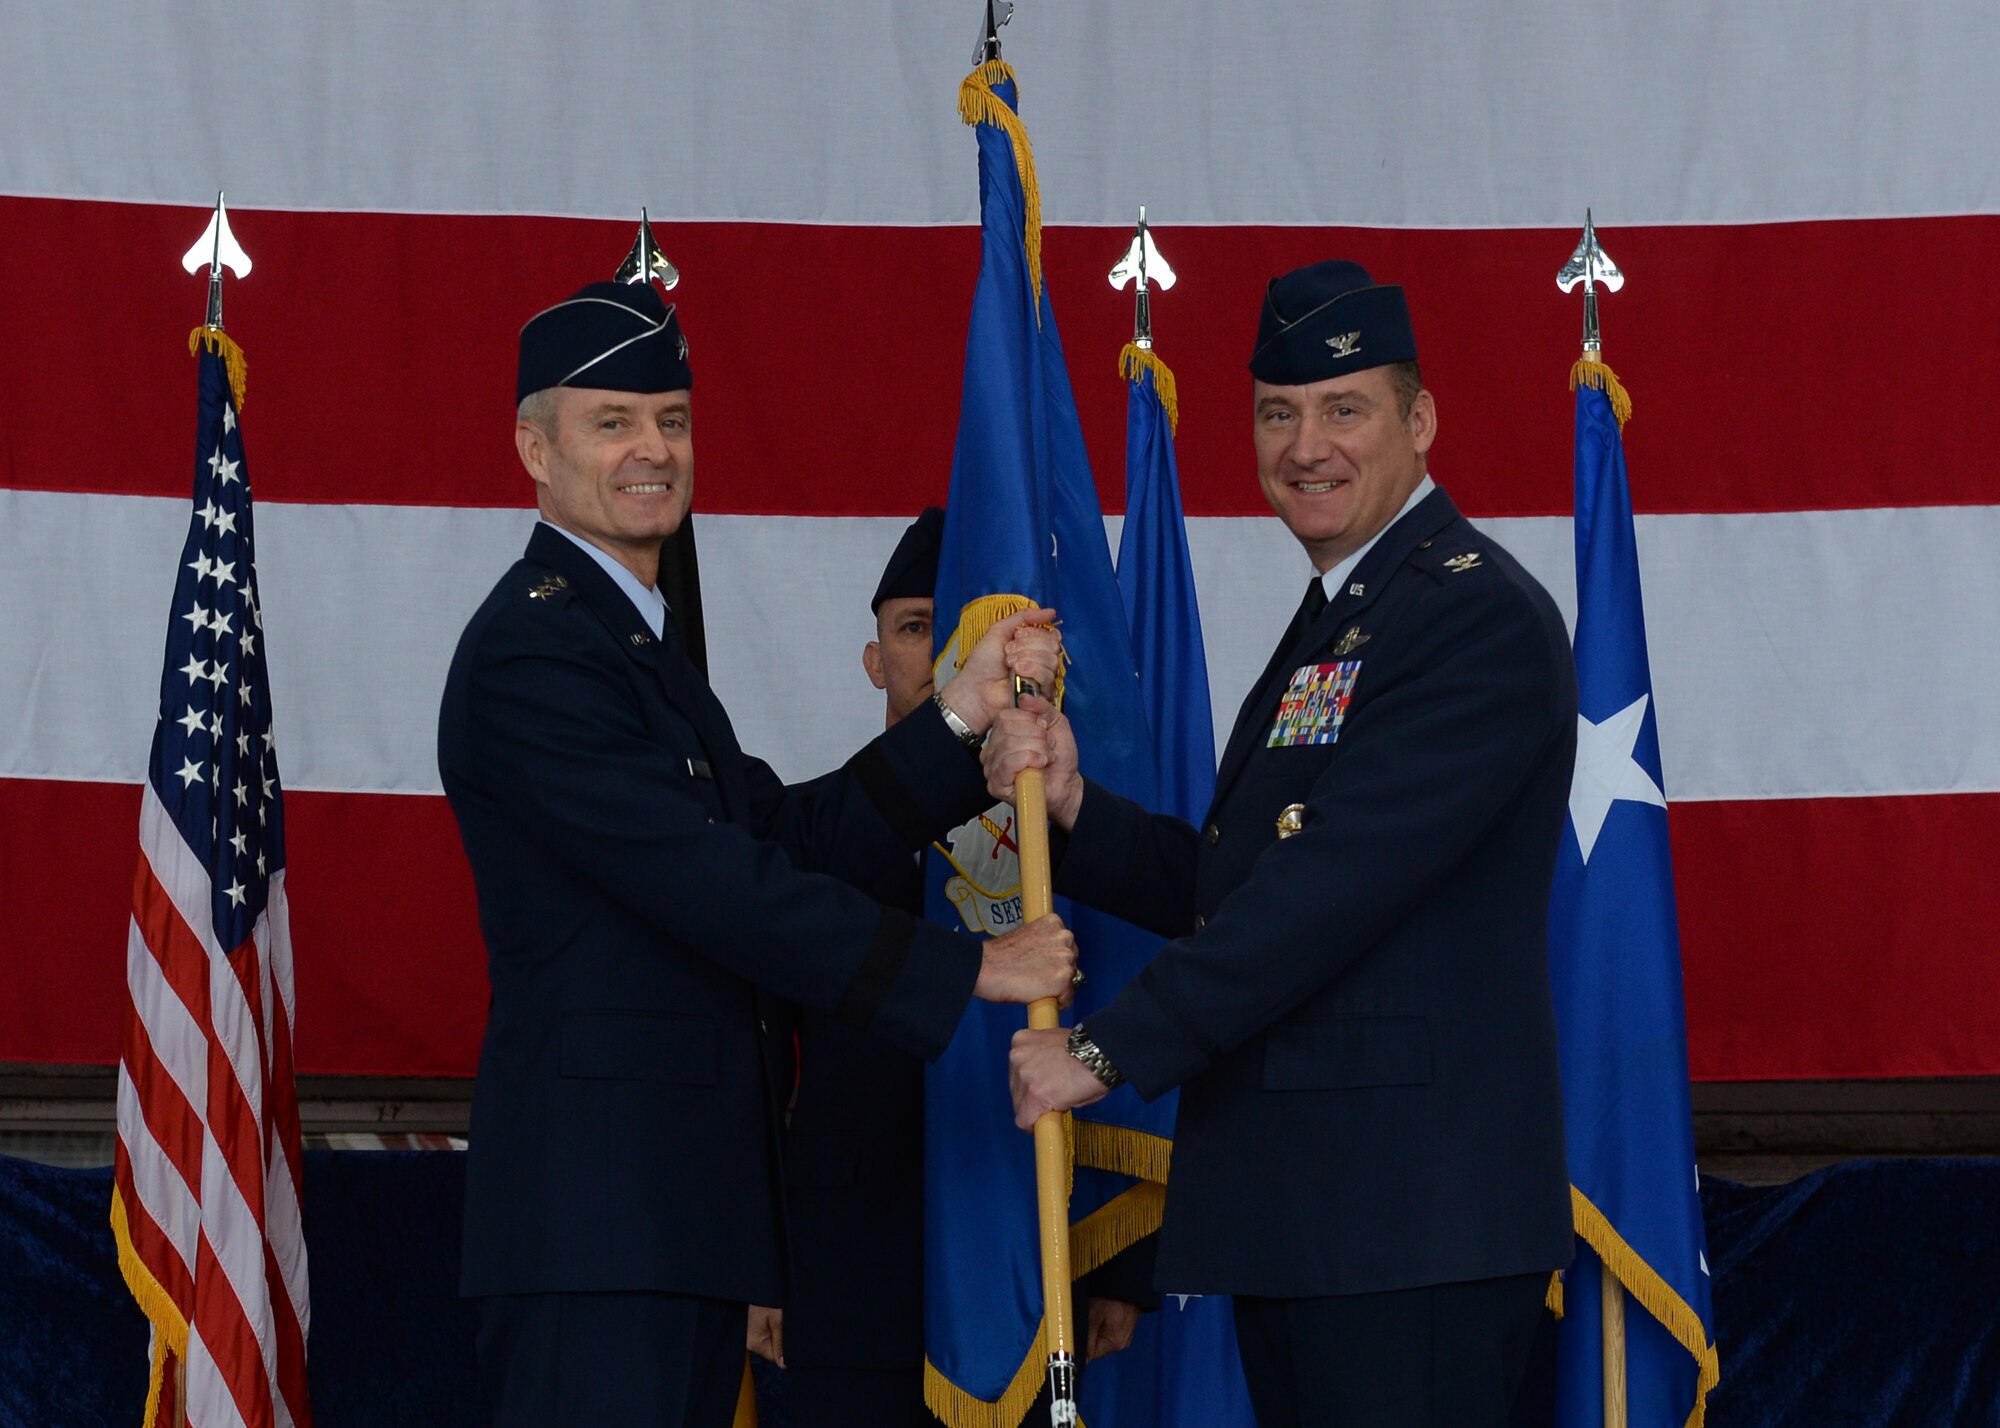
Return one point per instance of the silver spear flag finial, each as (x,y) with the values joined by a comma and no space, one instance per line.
(1590,265)
(646,262)
(988,47)
(1142,265)
(218,248)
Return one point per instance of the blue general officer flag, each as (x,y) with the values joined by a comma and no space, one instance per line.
(1023,524)
(1615,964)
(1182,1369)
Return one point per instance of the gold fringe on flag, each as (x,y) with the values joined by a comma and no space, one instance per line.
(983,614)
(1123,1150)
(1587,373)
(978,104)
(221,342)
(1136,359)
(1118,1224)
(170,1330)
(1657,1296)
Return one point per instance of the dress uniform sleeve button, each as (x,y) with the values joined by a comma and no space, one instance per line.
(1211,834)
(1199,922)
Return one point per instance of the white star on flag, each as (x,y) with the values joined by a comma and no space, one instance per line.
(228,417)
(1606,772)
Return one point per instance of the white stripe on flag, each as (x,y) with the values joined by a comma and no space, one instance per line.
(845,113)
(1769,632)
(166,1198)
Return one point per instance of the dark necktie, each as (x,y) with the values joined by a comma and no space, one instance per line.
(1309,610)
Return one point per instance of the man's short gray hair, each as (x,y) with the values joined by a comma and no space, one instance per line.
(540,409)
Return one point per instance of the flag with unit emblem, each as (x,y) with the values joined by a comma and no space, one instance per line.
(1615,967)
(206,1184)
(1023,527)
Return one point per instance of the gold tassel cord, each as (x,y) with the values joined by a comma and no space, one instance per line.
(1136,359)
(1587,373)
(978,104)
(1554,1298)
(1654,1294)
(1119,1223)
(220,342)
(983,614)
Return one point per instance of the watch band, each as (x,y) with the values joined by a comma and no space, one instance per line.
(961,730)
(1092,1056)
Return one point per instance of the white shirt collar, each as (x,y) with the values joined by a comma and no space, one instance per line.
(1335,580)
(647,599)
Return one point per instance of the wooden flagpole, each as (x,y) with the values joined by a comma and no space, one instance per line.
(1051,1131)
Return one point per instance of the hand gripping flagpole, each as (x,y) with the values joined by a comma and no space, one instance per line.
(1591,265)
(1052,1164)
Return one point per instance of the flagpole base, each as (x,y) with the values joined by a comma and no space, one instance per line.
(1062,1390)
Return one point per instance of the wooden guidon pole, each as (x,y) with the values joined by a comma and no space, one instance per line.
(1051,1140)
(1613,1296)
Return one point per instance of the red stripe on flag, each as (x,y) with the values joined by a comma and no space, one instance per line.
(1839,937)
(232,1120)
(1797,963)
(226,1331)
(291,1343)
(393,983)
(169,1118)
(1747,392)
(149,1241)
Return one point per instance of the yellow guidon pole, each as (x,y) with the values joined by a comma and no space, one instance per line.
(1052,1130)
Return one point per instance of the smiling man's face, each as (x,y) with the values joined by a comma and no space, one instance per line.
(1337,458)
(616,468)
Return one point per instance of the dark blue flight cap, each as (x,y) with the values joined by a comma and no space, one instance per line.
(621,337)
(912,571)
(1326,320)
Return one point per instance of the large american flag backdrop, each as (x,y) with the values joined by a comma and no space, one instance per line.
(1803,198)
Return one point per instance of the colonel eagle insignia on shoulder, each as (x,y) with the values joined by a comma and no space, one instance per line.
(550,584)
(1459,564)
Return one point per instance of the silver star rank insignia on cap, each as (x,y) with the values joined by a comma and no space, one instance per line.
(550,584)
(1459,564)
(1350,642)
(1346,344)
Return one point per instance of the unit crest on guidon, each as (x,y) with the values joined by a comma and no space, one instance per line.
(985,854)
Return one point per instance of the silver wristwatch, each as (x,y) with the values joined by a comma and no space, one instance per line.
(961,730)
(1092,1055)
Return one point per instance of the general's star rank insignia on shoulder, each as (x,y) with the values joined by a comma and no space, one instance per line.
(1314,705)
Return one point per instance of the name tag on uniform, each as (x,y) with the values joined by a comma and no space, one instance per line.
(1314,704)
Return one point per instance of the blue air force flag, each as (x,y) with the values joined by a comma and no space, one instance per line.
(1614,949)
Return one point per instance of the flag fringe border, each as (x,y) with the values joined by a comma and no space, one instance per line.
(1117,1224)
(233,360)
(170,1330)
(978,104)
(1588,373)
(1136,359)
(981,615)
(1651,1289)
(1122,1150)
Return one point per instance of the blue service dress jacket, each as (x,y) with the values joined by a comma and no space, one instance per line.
(1357,1004)
(639,879)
